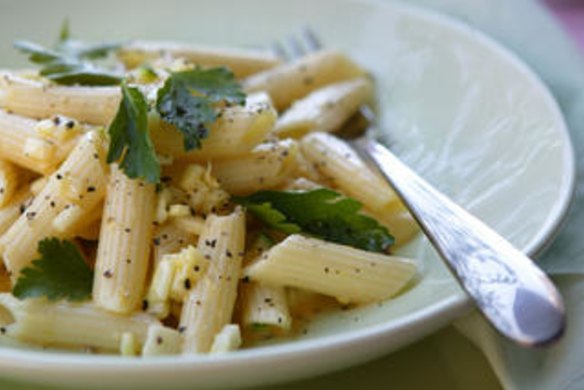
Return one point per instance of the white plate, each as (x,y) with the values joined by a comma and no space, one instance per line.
(461,110)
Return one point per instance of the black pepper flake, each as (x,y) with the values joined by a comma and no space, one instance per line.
(127,230)
(2,190)
(128,261)
(91,189)
(156,241)
(22,208)
(198,303)
(326,270)
(144,305)
(245,279)
(268,300)
(197,268)
(2,330)
(30,215)
(228,253)
(52,204)
(57,121)
(108,274)
(208,257)
(96,156)
(70,124)
(159,340)
(187,284)
(182,329)
(166,179)
(59,176)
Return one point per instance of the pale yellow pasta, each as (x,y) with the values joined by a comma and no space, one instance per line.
(292,81)
(267,166)
(325,109)
(23,145)
(128,344)
(340,164)
(348,274)
(161,341)
(236,132)
(202,190)
(173,278)
(17,206)
(264,305)
(10,176)
(69,325)
(37,99)
(78,183)
(241,62)
(400,223)
(227,340)
(210,304)
(168,239)
(124,246)
(37,185)
(189,224)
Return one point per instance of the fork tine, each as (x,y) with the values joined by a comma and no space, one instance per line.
(279,51)
(310,38)
(295,47)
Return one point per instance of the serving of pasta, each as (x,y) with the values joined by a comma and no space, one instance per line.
(161,199)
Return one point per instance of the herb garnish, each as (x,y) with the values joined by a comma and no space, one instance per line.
(72,61)
(322,213)
(130,140)
(60,273)
(188,98)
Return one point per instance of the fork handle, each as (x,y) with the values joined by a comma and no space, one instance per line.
(509,289)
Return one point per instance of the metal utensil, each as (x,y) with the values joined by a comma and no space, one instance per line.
(514,295)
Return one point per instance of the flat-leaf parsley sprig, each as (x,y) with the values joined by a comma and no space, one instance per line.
(189,100)
(59,273)
(322,213)
(72,62)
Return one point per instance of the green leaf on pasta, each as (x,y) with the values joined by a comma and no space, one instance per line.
(59,273)
(322,213)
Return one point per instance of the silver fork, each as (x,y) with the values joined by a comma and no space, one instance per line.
(513,294)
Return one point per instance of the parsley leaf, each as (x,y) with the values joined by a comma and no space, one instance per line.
(322,213)
(130,140)
(71,61)
(60,273)
(187,100)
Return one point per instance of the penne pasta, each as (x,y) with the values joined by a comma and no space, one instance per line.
(123,252)
(264,306)
(235,132)
(10,176)
(22,144)
(325,109)
(290,82)
(37,99)
(241,62)
(209,306)
(341,165)
(68,325)
(78,184)
(348,274)
(16,207)
(169,239)
(161,341)
(267,166)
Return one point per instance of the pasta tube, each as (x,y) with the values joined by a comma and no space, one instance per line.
(23,145)
(234,133)
(241,62)
(340,164)
(124,244)
(209,306)
(36,99)
(290,82)
(267,166)
(71,325)
(348,274)
(264,305)
(79,184)
(325,109)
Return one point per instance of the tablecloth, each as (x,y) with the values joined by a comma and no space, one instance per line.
(447,360)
